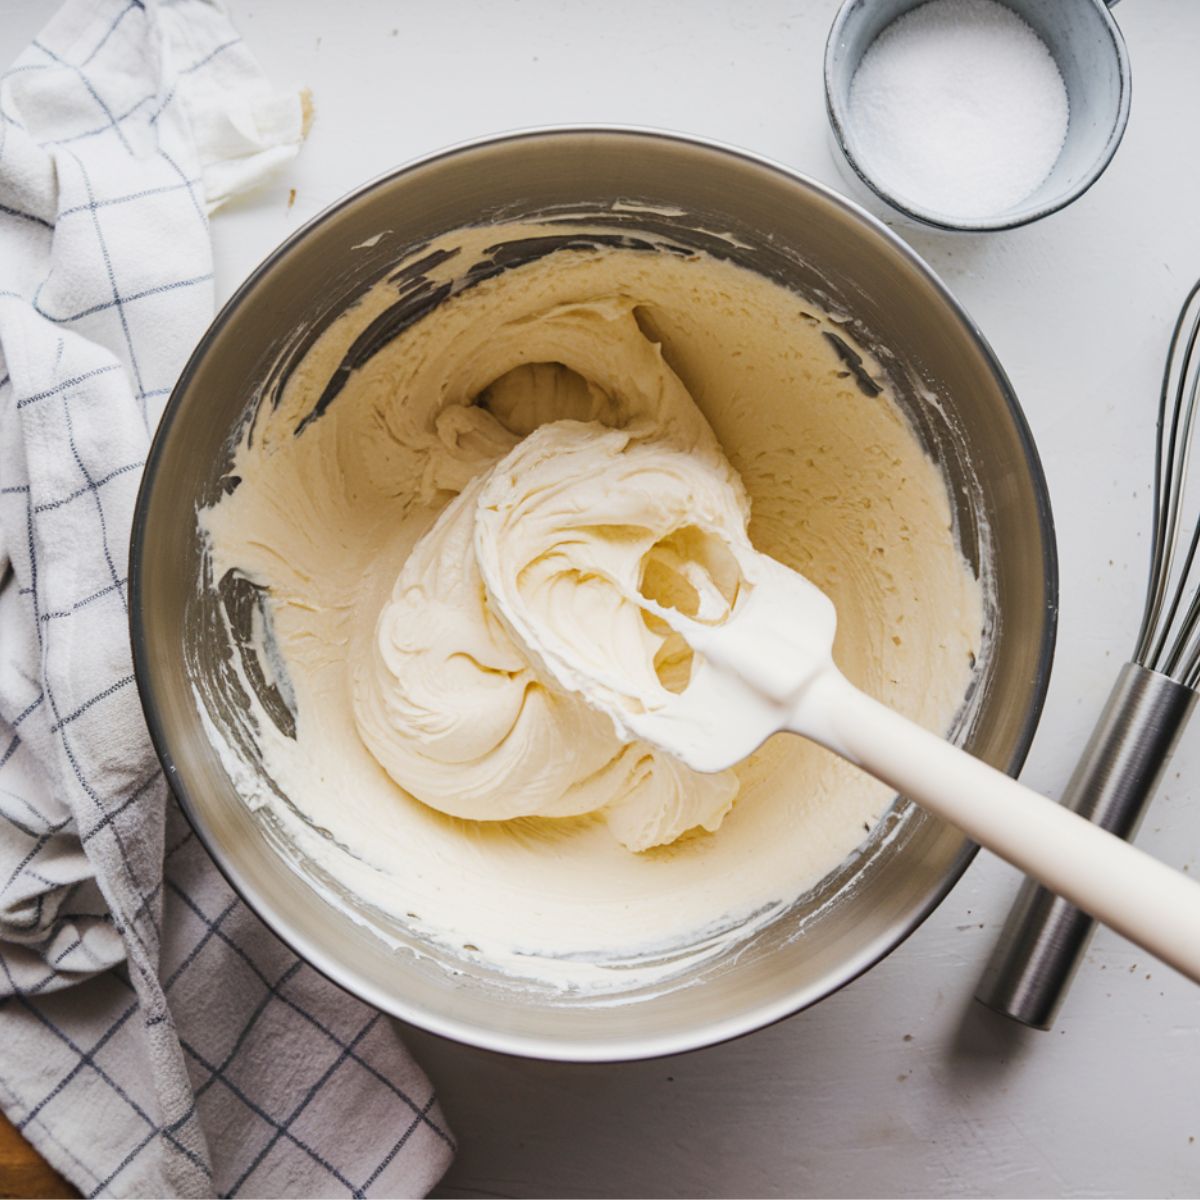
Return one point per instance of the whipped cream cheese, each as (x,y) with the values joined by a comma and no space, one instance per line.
(433,770)
(455,703)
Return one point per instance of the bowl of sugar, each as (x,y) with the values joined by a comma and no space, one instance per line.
(975,115)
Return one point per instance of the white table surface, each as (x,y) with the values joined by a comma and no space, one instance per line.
(900,1084)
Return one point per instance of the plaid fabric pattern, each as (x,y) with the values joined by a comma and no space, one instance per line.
(155,1038)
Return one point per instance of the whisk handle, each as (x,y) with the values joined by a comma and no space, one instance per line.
(1044,938)
(1147,901)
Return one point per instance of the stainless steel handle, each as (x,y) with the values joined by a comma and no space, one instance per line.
(1044,938)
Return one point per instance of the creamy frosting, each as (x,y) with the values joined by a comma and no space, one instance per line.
(453,705)
(356,515)
(449,703)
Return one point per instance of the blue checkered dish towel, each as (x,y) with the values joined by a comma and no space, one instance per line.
(155,1038)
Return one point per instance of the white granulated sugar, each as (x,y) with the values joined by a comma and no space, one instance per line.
(958,108)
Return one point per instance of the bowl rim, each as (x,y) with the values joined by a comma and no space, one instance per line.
(327,963)
(839,125)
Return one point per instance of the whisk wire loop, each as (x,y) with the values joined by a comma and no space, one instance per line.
(1169,642)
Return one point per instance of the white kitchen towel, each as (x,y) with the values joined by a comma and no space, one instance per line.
(155,1037)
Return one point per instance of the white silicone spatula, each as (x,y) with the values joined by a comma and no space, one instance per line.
(769,667)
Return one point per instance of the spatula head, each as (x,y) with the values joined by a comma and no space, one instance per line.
(749,673)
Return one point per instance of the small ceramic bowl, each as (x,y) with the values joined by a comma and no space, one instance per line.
(1090,53)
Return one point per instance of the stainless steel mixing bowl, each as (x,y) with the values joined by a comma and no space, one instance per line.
(783,225)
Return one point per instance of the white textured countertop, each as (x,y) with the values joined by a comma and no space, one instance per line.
(899,1084)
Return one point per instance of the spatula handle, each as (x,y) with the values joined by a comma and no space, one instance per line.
(1148,902)
(1045,937)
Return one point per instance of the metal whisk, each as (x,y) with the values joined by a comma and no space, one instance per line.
(1044,938)
(1169,641)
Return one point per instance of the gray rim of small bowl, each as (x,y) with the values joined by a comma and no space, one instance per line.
(839,123)
(327,963)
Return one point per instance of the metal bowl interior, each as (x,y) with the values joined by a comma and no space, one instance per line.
(785,226)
